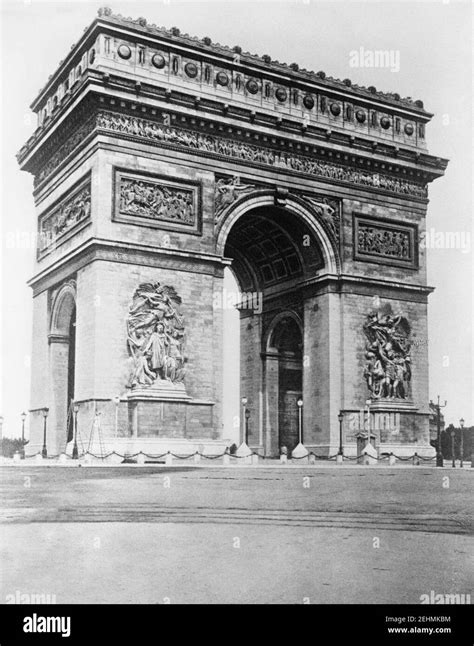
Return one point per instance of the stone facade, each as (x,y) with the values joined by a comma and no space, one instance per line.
(154,166)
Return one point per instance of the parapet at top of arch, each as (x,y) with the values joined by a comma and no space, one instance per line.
(146,57)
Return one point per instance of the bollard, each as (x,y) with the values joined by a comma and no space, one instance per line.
(169,460)
(255,457)
(416,460)
(197,458)
(283,458)
(16,457)
(339,458)
(312,458)
(140,458)
(391,460)
(226,459)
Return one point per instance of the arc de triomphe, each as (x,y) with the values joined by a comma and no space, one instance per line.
(159,160)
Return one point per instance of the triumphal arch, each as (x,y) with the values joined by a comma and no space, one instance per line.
(159,160)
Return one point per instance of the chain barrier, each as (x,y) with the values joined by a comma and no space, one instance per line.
(130,456)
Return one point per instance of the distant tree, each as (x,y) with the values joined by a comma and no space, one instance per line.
(10,446)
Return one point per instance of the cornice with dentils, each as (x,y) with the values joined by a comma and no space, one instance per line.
(107,19)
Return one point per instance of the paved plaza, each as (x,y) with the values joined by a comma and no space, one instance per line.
(236,535)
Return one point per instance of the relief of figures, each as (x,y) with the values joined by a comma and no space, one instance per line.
(383,242)
(388,367)
(155,330)
(65,217)
(227,191)
(254,154)
(328,211)
(160,202)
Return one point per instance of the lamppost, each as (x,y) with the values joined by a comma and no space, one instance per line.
(23,417)
(340,453)
(453,435)
(244,419)
(368,402)
(439,454)
(300,420)
(44,451)
(461,424)
(75,452)
(117,403)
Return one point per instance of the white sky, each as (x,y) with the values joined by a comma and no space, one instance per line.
(435,44)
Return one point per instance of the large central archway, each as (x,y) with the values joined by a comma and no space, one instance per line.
(276,251)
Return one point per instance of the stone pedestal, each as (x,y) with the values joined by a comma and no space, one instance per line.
(370,454)
(244,454)
(300,454)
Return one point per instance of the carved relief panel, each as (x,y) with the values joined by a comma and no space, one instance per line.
(154,201)
(384,241)
(64,219)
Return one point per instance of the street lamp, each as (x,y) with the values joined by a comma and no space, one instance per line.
(461,424)
(23,417)
(75,452)
(300,420)
(439,454)
(340,417)
(117,403)
(247,415)
(244,418)
(453,434)
(368,402)
(44,451)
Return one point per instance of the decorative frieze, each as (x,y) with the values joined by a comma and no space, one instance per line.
(155,201)
(70,144)
(232,148)
(64,217)
(383,241)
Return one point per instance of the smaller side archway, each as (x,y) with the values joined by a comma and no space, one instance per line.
(62,362)
(283,382)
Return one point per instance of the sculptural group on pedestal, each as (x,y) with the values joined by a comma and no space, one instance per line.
(388,367)
(155,331)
